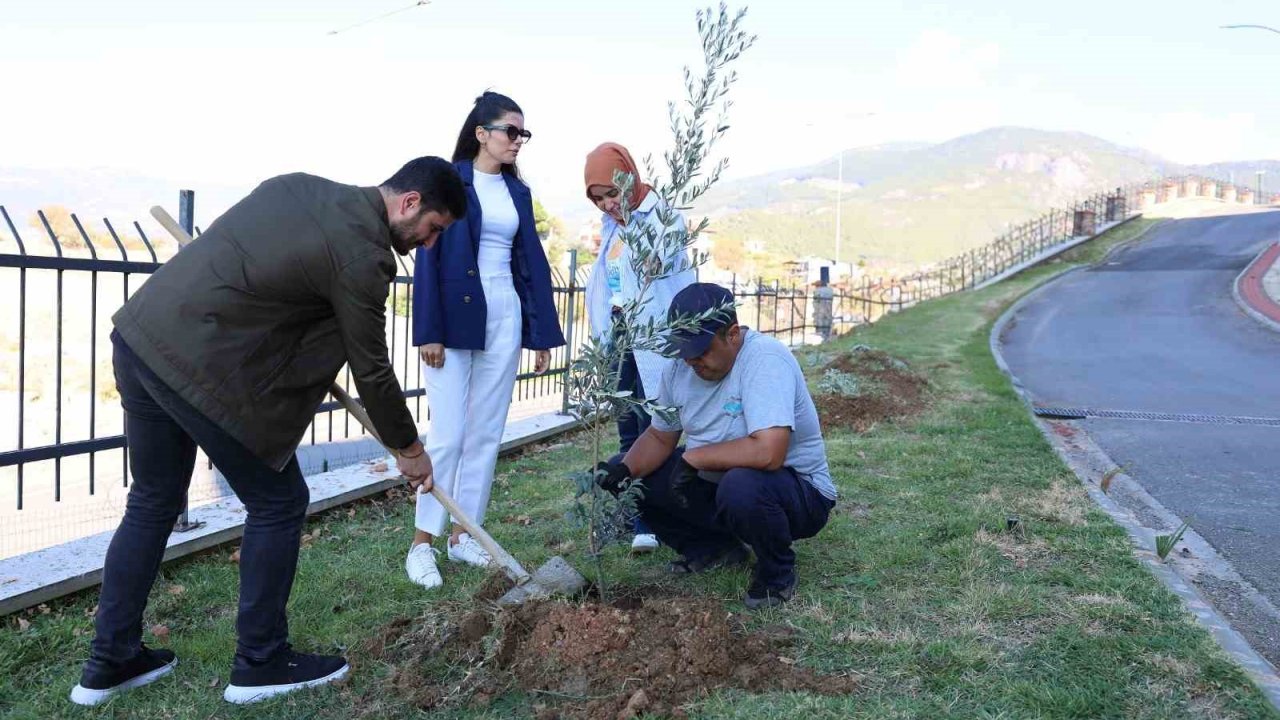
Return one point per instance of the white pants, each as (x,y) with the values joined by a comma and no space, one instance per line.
(469,398)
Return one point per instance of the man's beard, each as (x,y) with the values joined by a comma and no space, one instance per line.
(400,230)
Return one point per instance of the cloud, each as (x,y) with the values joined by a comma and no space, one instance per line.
(938,59)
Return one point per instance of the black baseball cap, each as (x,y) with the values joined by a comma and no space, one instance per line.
(697,299)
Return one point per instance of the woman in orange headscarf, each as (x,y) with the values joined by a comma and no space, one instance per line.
(615,282)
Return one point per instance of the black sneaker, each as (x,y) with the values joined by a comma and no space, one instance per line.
(285,672)
(100,679)
(760,595)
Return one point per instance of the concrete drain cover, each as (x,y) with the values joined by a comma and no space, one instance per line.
(1060,413)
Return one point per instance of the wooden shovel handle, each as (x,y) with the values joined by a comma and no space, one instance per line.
(168,223)
(512,566)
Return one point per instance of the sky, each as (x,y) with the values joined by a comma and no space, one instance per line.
(229,92)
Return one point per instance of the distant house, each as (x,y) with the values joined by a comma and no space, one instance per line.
(808,270)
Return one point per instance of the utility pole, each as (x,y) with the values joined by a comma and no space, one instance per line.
(1257,195)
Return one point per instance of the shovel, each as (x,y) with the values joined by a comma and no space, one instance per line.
(554,577)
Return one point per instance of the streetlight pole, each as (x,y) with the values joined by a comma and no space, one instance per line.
(1257,195)
(839,202)
(840,190)
(840,182)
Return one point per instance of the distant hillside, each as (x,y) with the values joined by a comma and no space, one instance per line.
(903,203)
(917,203)
(94,193)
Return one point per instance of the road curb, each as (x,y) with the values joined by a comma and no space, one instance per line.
(1090,463)
(1249,293)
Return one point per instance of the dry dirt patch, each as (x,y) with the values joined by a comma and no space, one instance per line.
(637,656)
(1018,548)
(883,388)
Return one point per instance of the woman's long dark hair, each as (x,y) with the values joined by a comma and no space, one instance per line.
(489,108)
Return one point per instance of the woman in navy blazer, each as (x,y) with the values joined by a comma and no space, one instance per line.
(480,294)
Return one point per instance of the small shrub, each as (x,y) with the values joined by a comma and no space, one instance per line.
(838,382)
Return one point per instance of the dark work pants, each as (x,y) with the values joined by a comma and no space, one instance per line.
(764,509)
(162,432)
(632,424)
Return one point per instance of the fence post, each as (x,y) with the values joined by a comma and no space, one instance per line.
(791,315)
(777,291)
(187,211)
(823,311)
(568,331)
(759,302)
(187,219)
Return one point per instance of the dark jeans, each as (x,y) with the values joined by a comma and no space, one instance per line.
(163,431)
(764,509)
(631,425)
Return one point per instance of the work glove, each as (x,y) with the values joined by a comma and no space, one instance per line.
(685,476)
(611,476)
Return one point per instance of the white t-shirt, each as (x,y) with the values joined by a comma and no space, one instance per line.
(498,225)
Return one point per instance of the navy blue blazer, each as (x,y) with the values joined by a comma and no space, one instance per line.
(448,300)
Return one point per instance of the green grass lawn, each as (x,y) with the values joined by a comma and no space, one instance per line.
(914,587)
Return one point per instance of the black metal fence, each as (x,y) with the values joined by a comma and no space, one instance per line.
(789,312)
(63,461)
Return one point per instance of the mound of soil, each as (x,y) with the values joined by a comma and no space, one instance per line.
(641,656)
(888,389)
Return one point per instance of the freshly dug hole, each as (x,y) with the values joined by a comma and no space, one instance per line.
(637,656)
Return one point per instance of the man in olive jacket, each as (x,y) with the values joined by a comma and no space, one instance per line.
(231,346)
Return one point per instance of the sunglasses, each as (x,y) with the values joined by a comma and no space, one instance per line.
(513,133)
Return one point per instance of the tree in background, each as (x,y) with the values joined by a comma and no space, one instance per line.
(63,227)
(60,222)
(547,225)
(552,234)
(730,253)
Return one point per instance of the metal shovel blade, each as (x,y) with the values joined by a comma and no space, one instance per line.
(555,577)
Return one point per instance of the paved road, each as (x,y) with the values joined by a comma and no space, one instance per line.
(1156,330)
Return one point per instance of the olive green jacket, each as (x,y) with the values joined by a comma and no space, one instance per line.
(252,322)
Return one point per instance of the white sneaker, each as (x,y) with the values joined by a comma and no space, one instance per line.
(644,543)
(469,551)
(421,566)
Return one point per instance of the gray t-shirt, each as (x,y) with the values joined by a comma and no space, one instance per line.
(765,389)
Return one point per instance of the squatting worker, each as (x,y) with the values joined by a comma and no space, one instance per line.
(231,346)
(755,467)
